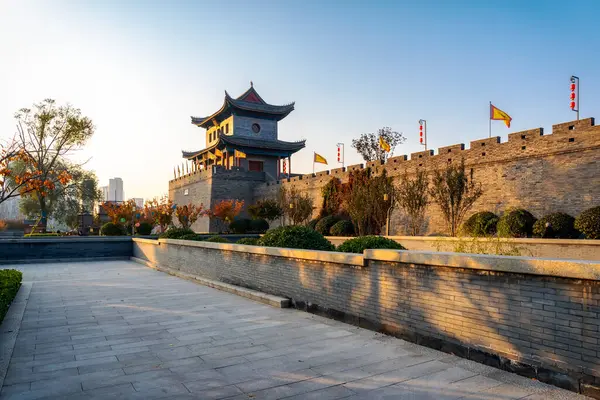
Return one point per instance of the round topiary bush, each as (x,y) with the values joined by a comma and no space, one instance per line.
(556,225)
(175,233)
(325,224)
(342,228)
(112,229)
(588,223)
(145,228)
(483,223)
(313,223)
(259,225)
(250,241)
(516,223)
(295,237)
(193,236)
(240,225)
(217,239)
(359,244)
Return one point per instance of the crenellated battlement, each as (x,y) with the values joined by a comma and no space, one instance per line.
(522,144)
(540,172)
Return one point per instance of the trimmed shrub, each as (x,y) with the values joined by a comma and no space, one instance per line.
(295,237)
(193,236)
(175,233)
(325,224)
(145,228)
(342,228)
(516,223)
(259,225)
(556,225)
(483,223)
(42,234)
(10,282)
(360,244)
(240,225)
(112,229)
(313,223)
(588,223)
(217,239)
(250,241)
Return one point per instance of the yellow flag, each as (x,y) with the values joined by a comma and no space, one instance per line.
(498,114)
(384,145)
(219,153)
(239,154)
(212,156)
(320,159)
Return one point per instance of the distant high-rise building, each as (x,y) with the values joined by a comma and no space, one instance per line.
(139,201)
(104,190)
(115,190)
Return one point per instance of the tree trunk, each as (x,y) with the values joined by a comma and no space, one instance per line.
(43,220)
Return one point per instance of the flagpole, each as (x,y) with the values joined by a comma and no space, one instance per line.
(314,154)
(490,111)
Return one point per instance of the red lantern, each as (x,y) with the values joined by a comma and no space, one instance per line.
(573,96)
(572,87)
(339,154)
(572,105)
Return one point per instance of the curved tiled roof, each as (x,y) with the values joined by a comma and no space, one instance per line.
(250,100)
(278,145)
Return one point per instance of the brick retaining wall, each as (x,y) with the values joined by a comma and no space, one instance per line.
(66,248)
(535,317)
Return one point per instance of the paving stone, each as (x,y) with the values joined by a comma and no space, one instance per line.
(115,330)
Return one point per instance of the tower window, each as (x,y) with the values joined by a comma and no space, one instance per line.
(255,128)
(227,128)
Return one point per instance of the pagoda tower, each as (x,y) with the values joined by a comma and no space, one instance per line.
(243,134)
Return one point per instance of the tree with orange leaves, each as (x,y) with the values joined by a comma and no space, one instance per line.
(188,214)
(121,213)
(47,134)
(227,210)
(160,212)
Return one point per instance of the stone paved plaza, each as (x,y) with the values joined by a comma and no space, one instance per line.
(119,330)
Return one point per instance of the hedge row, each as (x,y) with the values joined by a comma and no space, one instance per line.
(10,282)
(517,223)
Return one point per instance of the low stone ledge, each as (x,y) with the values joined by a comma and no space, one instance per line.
(579,242)
(309,255)
(275,301)
(575,269)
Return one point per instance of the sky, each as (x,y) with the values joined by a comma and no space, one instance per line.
(140,69)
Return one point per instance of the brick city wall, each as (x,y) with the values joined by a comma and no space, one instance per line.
(209,186)
(542,326)
(542,173)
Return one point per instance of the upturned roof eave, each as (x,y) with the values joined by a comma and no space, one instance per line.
(280,110)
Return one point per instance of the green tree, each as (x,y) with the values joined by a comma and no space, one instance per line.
(332,197)
(367,145)
(48,133)
(412,197)
(267,209)
(455,193)
(64,202)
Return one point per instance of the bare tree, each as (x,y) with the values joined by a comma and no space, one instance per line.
(412,197)
(297,206)
(455,193)
(367,145)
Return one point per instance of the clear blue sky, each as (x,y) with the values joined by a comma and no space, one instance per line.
(140,69)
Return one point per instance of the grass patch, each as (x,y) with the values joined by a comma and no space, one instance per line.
(10,282)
